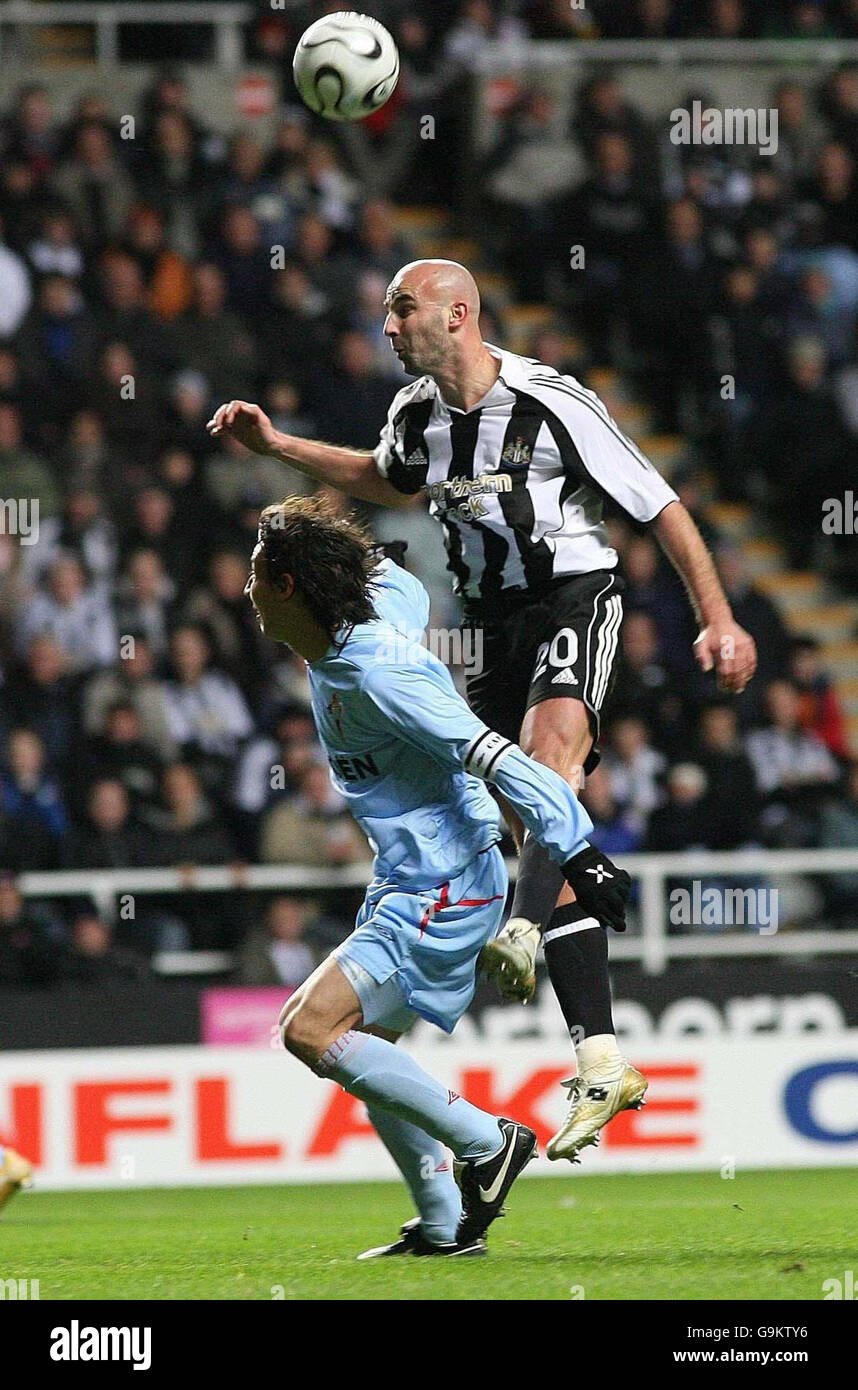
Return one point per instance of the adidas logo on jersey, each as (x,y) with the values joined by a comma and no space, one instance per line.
(564,677)
(418,458)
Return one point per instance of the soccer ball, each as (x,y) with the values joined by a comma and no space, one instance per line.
(345,66)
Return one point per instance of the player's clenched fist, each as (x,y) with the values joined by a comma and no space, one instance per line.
(245,422)
(599,886)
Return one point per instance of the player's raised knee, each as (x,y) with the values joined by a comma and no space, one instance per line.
(302,1033)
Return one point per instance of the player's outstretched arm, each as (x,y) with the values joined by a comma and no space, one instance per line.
(350,470)
(722,644)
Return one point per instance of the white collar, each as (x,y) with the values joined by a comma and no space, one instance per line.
(510,373)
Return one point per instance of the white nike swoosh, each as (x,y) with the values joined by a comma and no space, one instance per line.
(490,1194)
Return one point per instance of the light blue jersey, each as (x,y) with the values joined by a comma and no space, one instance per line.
(412,759)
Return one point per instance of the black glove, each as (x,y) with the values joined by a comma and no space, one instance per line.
(599,886)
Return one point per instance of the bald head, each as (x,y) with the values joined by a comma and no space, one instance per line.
(433,312)
(438,282)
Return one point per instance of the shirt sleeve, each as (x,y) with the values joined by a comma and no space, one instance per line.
(421,705)
(405,473)
(594,448)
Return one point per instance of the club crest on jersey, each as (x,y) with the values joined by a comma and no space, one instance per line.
(335,710)
(517,455)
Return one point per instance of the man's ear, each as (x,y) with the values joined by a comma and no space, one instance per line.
(286,585)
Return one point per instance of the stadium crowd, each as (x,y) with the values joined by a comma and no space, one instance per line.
(143,721)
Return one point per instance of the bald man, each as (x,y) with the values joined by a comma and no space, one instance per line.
(516,461)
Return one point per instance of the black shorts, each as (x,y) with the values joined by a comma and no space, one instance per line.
(561,642)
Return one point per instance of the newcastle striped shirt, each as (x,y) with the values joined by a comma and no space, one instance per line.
(518,482)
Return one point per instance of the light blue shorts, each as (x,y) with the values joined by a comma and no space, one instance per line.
(416,953)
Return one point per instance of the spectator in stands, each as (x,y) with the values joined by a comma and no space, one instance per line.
(353,400)
(284,405)
(74,612)
(209,719)
(800,132)
(220,606)
(296,333)
(245,261)
(819,709)
(93,185)
(44,690)
(110,838)
(726,19)
(188,406)
(120,753)
(21,204)
(654,587)
(144,597)
(633,768)
(57,344)
(647,689)
(126,316)
(83,528)
(328,269)
(382,246)
(312,828)
(612,215)
(211,339)
(172,176)
(131,681)
(734,800)
(22,473)
(277,953)
(30,131)
(31,803)
(793,768)
(185,829)
(123,393)
(166,275)
(802,450)
(157,527)
(29,952)
(531,163)
(684,820)
(93,957)
(641,19)
(674,297)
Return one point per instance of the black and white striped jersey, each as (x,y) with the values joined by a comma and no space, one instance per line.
(518,482)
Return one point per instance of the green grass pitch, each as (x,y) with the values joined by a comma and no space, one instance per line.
(762,1235)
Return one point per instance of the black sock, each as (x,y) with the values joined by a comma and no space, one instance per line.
(578,969)
(538,884)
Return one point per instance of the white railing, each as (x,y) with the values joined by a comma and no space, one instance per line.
(667,52)
(653,946)
(227,21)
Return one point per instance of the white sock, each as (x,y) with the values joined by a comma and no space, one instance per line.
(599,1051)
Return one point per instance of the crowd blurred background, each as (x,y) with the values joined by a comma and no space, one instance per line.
(143,721)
